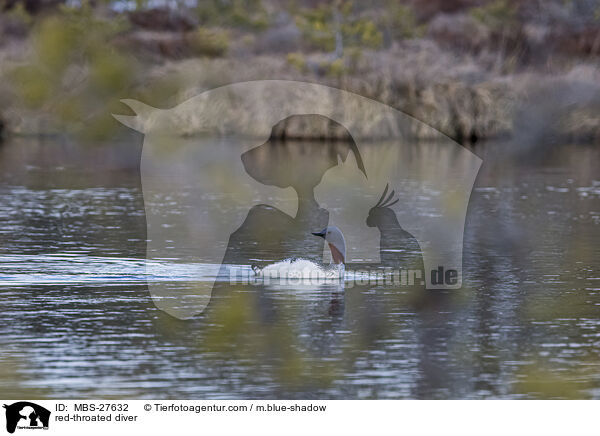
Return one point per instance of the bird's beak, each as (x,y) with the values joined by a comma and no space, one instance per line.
(321,234)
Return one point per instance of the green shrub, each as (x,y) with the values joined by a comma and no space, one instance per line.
(75,74)
(209,42)
(496,14)
(319,27)
(297,60)
(335,68)
(402,22)
(249,14)
(362,33)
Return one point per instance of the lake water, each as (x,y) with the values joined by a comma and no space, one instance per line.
(78,319)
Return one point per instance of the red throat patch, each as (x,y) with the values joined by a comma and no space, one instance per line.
(335,253)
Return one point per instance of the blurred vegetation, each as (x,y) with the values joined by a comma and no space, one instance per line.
(297,60)
(498,14)
(209,42)
(329,25)
(66,65)
(250,14)
(73,73)
(19,14)
(401,22)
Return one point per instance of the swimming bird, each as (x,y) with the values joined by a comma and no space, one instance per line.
(298,268)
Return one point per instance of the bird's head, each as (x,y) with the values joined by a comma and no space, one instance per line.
(337,244)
